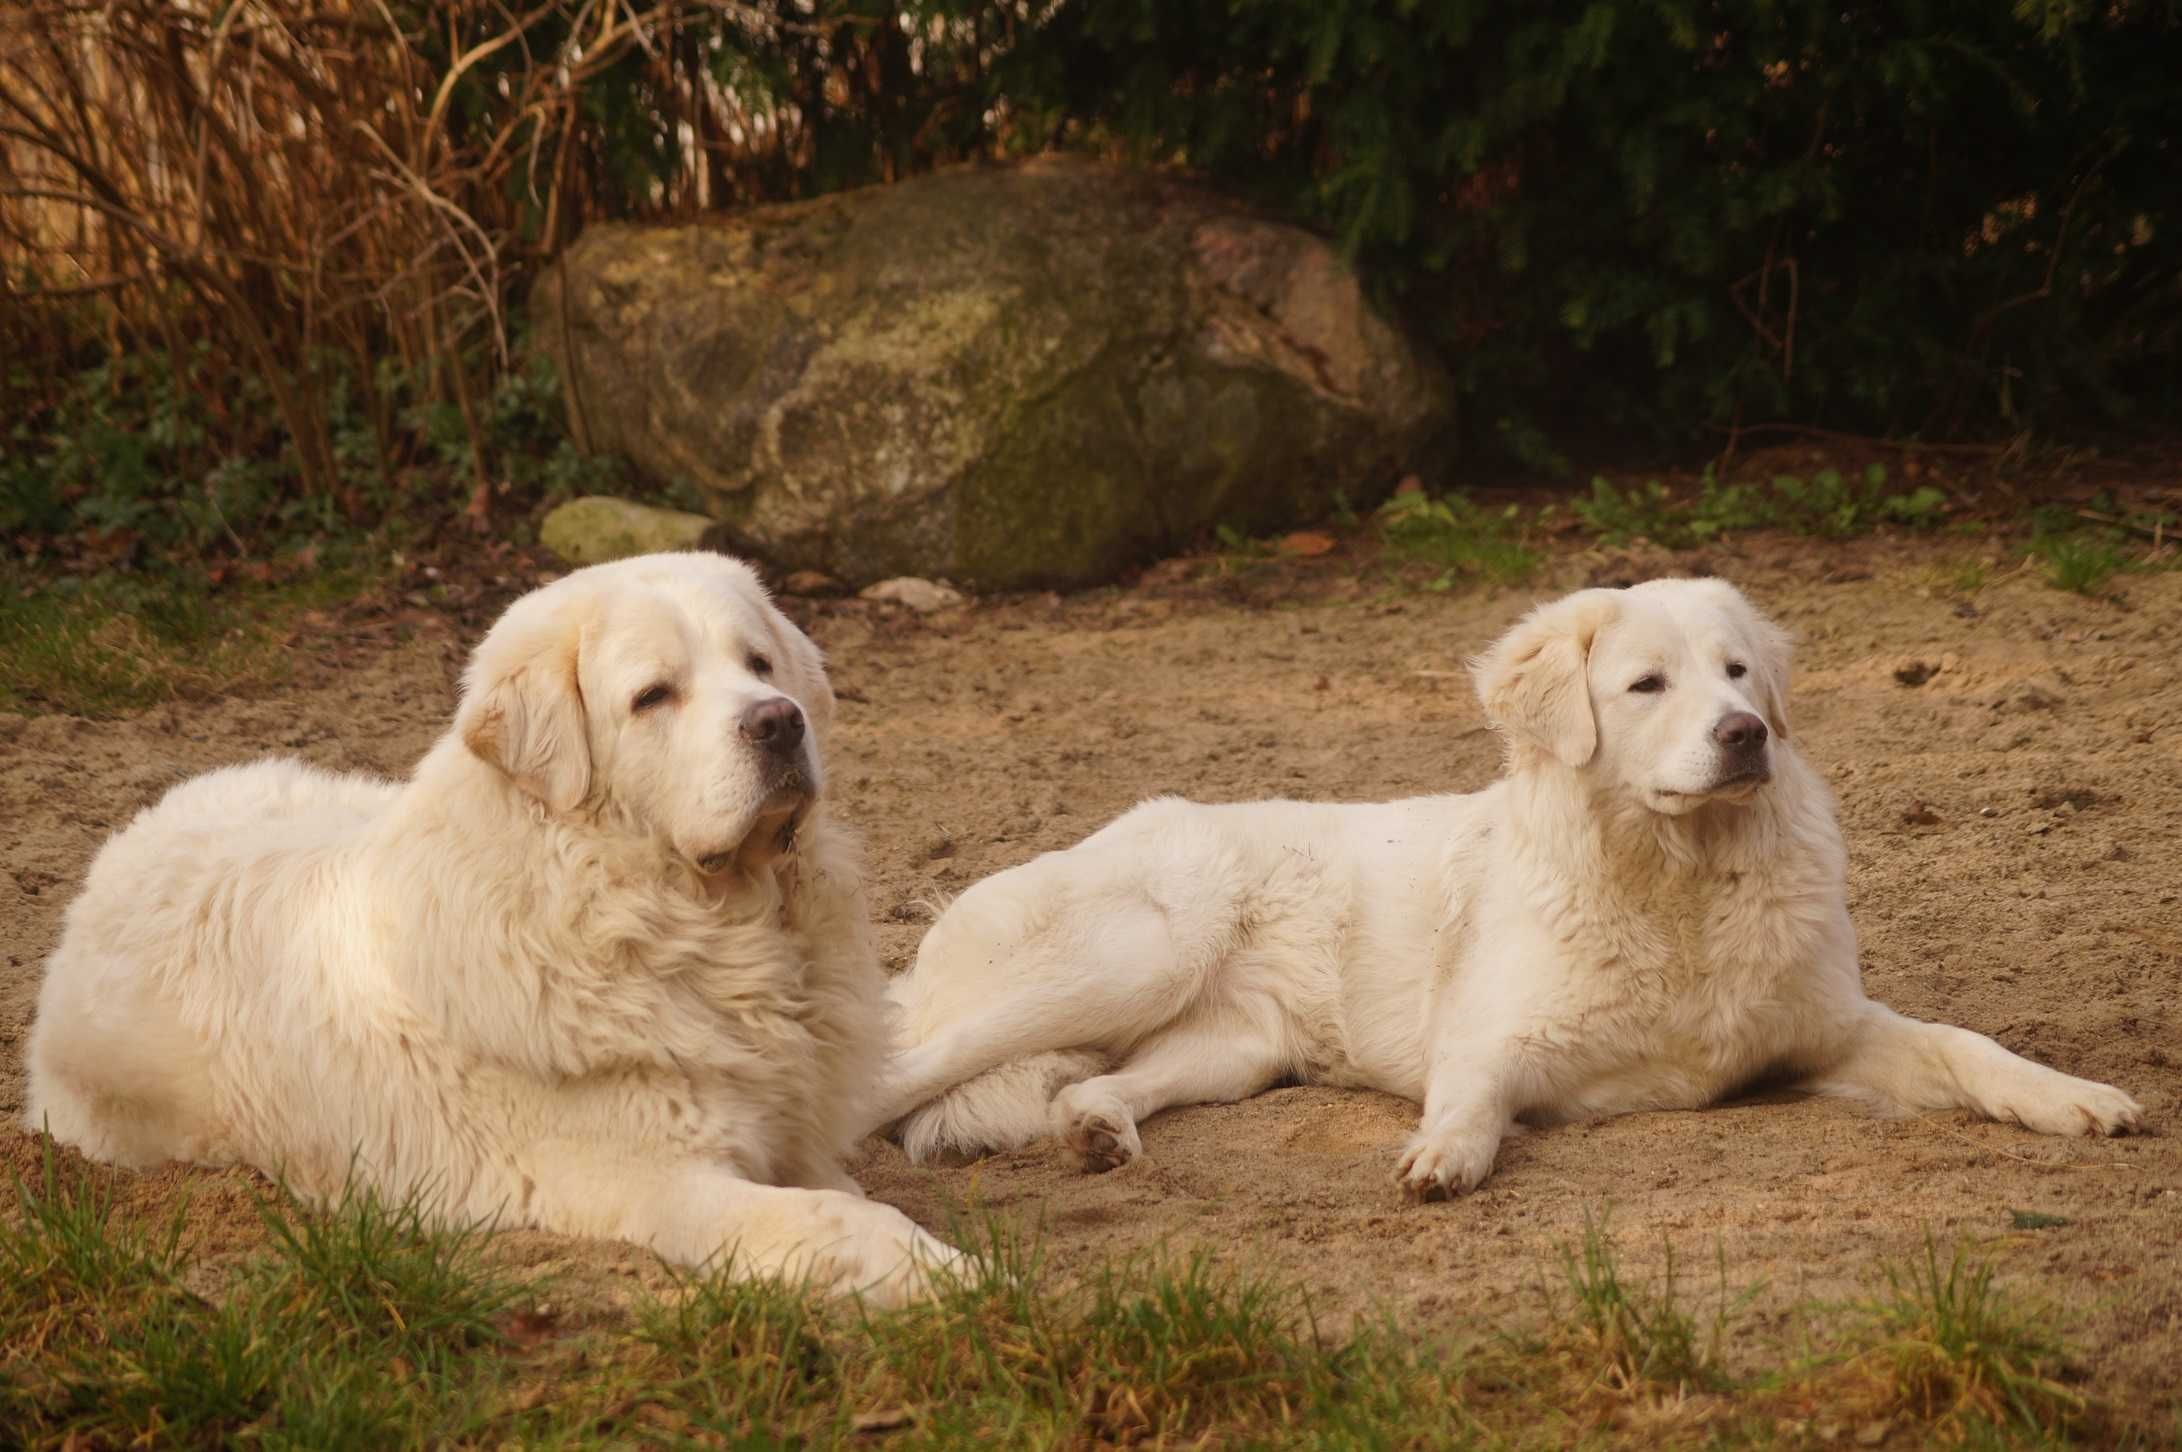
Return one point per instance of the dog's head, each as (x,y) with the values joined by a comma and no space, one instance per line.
(1674,690)
(664,691)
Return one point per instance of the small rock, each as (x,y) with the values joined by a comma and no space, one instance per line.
(1915,672)
(812,582)
(922,596)
(598,528)
(2026,696)
(1920,815)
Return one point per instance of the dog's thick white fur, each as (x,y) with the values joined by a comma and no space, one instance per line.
(601,966)
(1646,912)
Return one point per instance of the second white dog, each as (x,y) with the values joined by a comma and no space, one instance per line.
(1647,912)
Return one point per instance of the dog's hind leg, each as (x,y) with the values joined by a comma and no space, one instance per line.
(113,1072)
(1027,964)
(1210,1058)
(1001,1109)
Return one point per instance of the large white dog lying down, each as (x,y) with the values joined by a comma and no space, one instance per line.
(1645,912)
(601,966)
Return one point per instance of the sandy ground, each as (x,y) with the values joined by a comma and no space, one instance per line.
(2009,766)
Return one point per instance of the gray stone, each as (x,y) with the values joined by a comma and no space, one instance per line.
(597,528)
(1031,374)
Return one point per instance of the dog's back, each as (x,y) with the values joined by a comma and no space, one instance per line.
(160,951)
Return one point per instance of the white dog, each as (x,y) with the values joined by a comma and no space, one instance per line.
(601,966)
(1646,912)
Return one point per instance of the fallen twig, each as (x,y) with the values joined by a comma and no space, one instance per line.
(2155,532)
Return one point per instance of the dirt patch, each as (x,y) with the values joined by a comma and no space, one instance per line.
(2010,773)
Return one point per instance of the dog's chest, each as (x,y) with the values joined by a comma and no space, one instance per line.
(1691,986)
(708,1001)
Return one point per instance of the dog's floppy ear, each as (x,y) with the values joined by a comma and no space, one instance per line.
(522,708)
(1532,681)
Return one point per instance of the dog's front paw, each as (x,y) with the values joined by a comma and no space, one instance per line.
(1439,1165)
(898,1264)
(1098,1127)
(2080,1106)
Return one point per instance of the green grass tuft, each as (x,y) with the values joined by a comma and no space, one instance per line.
(1644,1335)
(1959,1353)
(361,1326)
(2078,560)
(378,1273)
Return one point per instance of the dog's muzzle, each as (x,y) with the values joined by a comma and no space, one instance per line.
(1744,761)
(790,790)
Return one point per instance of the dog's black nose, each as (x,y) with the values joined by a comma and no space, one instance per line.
(1739,731)
(777,724)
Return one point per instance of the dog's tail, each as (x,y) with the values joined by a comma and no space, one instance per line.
(1001,1109)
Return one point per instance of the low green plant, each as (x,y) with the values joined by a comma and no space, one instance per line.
(1461,539)
(99,643)
(1828,503)
(1344,513)
(2036,1220)
(179,457)
(1639,511)
(1239,549)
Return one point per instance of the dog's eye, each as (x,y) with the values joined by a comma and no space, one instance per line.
(1649,684)
(650,696)
(1735,670)
(760,666)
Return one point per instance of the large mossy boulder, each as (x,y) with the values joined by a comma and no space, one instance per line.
(1035,374)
